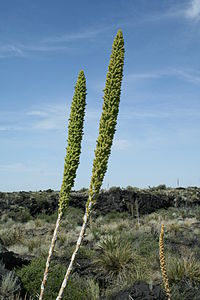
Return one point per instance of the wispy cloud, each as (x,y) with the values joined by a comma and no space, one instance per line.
(48,117)
(193,10)
(26,50)
(55,117)
(164,112)
(57,43)
(10,51)
(82,35)
(121,144)
(187,10)
(192,76)
(147,75)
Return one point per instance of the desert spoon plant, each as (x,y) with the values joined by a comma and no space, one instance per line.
(75,134)
(107,126)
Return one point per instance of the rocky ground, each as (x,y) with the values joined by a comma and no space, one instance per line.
(119,258)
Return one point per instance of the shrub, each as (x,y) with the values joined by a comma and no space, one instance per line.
(20,214)
(31,276)
(158,187)
(47,218)
(114,189)
(132,188)
(83,190)
(11,236)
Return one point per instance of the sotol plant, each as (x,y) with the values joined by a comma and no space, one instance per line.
(107,126)
(75,133)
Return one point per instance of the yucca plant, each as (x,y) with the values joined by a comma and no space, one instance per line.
(75,134)
(107,126)
(115,259)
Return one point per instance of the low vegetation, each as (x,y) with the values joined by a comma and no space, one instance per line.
(116,253)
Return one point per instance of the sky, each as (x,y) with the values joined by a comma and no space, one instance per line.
(44,45)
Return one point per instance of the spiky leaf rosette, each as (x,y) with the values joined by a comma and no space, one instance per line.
(109,115)
(75,134)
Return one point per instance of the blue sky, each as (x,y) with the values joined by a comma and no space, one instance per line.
(43,46)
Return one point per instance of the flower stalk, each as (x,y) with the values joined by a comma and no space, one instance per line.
(75,134)
(107,126)
(163,264)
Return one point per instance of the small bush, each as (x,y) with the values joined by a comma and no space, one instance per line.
(48,218)
(83,190)
(158,187)
(20,215)
(11,236)
(31,276)
(114,189)
(132,188)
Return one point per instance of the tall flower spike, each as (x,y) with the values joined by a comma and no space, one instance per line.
(109,115)
(107,126)
(75,133)
(162,263)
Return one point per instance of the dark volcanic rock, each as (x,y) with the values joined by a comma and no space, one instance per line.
(8,261)
(115,200)
(11,259)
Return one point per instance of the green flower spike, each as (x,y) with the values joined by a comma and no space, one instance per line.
(109,115)
(75,134)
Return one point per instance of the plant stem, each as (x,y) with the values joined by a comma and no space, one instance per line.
(78,243)
(51,249)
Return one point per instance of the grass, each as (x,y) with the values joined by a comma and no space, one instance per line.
(9,283)
(184,268)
